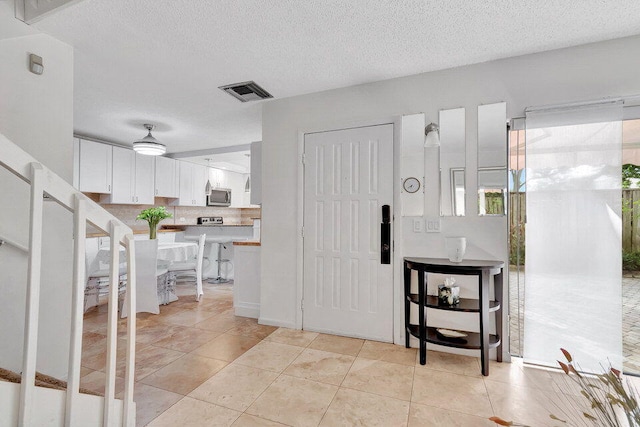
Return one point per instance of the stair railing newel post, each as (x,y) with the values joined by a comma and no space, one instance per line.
(129,415)
(77,308)
(116,235)
(30,348)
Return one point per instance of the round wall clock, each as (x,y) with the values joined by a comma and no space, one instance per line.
(411,185)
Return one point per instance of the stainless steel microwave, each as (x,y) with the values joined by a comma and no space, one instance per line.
(219,197)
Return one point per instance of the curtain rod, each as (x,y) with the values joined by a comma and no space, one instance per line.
(581,104)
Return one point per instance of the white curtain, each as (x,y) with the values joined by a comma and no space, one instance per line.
(573,235)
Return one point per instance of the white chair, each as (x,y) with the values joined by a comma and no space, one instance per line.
(192,268)
(97,283)
(150,278)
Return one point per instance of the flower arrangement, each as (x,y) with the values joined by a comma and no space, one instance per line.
(153,216)
(609,400)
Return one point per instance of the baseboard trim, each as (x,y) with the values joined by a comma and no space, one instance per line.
(247,310)
(274,322)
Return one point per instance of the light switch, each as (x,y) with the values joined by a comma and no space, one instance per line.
(433,225)
(417,225)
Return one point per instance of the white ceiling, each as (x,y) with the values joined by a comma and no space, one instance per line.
(161,61)
(237,161)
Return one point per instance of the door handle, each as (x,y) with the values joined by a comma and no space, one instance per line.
(385,235)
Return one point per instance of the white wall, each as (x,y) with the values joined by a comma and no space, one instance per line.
(36,112)
(574,74)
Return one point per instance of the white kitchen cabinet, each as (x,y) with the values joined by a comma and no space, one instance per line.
(193,180)
(94,167)
(200,174)
(133,178)
(256,173)
(235,181)
(145,177)
(167,177)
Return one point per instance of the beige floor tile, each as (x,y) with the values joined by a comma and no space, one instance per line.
(95,356)
(217,306)
(193,413)
(454,363)
(269,355)
(85,371)
(292,337)
(527,405)
(185,374)
(337,344)
(186,339)
(379,377)
(429,416)
(516,373)
(323,366)
(357,408)
(247,420)
(235,386)
(251,328)
(187,317)
(96,381)
(148,360)
(294,401)
(451,391)
(388,352)
(153,332)
(226,347)
(220,322)
(151,402)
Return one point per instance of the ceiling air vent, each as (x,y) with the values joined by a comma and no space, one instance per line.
(246,91)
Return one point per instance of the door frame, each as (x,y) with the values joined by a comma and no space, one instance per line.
(396,121)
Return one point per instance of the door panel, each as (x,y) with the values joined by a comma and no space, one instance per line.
(348,178)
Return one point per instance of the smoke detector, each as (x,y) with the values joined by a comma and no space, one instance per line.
(246,91)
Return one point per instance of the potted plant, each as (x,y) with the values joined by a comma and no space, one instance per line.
(153,216)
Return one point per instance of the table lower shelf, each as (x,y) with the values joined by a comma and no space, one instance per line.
(472,339)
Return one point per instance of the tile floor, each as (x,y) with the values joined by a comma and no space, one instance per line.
(198,364)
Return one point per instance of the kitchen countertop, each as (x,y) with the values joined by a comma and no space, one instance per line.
(247,243)
(161,230)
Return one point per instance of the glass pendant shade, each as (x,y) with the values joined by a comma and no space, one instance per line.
(432,135)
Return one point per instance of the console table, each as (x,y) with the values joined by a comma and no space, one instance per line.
(482,341)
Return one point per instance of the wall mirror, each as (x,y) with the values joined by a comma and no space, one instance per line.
(492,159)
(452,162)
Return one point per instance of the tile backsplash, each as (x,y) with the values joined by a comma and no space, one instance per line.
(231,216)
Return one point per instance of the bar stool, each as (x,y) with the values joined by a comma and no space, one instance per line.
(219,279)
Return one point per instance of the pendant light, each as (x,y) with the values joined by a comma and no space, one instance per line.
(148,145)
(207,188)
(432,135)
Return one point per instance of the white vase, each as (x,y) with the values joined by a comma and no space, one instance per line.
(456,246)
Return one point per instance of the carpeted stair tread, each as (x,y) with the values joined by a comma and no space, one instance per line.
(42,380)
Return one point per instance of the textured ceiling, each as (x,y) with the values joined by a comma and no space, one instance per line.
(161,61)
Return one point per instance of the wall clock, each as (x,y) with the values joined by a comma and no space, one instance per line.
(411,185)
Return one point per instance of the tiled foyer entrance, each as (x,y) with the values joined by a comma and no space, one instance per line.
(198,364)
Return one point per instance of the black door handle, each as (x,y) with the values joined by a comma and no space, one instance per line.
(385,235)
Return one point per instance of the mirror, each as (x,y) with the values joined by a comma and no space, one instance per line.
(457,191)
(452,162)
(492,159)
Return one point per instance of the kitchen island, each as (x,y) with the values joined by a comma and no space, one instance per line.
(219,234)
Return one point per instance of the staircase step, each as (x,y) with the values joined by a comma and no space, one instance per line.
(42,380)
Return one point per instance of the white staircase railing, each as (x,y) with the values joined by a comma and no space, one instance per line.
(44,182)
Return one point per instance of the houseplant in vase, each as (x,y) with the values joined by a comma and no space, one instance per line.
(153,216)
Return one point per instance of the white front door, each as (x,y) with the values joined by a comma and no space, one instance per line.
(348,177)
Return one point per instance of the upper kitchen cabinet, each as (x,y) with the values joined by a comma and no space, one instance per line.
(256,173)
(94,167)
(192,182)
(167,177)
(133,178)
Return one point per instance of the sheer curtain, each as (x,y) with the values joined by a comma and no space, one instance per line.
(573,235)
